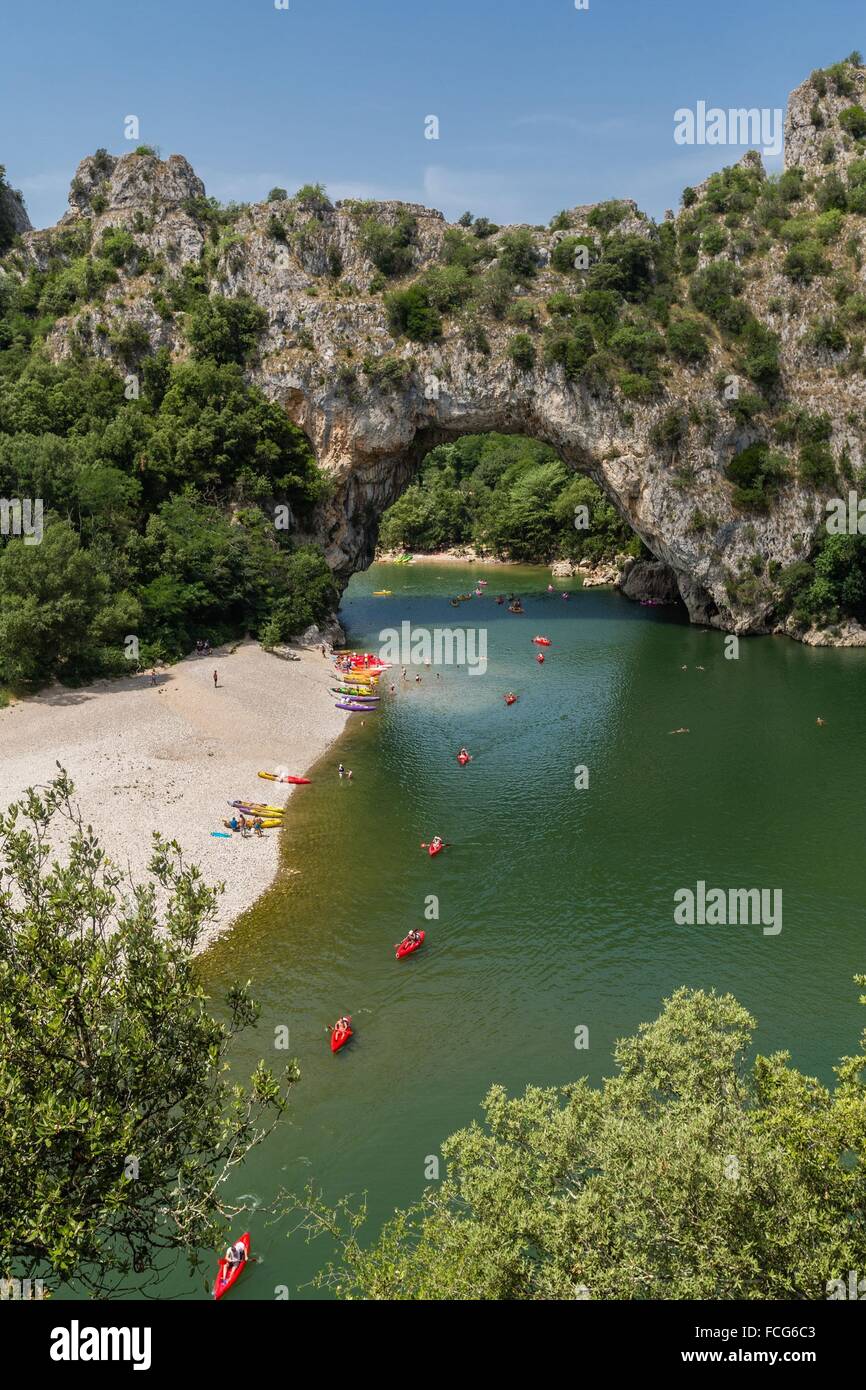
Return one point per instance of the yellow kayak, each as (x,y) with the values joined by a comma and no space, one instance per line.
(381,593)
(268,822)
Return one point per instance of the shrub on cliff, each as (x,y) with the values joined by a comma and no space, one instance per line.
(804,261)
(411,313)
(565,252)
(757,475)
(569,347)
(226,330)
(521,350)
(715,290)
(605,216)
(853,120)
(390,247)
(517,254)
(687,340)
(817,466)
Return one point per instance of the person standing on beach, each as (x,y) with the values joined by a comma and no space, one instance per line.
(215,680)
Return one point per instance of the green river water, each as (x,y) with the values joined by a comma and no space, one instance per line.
(555,904)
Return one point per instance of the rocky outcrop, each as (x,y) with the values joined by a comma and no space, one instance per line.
(373,404)
(815,140)
(650,581)
(13,214)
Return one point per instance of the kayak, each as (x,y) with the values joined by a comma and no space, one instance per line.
(434,849)
(354,690)
(267,822)
(541,641)
(406,946)
(297,781)
(226,1276)
(463,759)
(340,1036)
(356,709)
(381,593)
(510,699)
(540,658)
(258,808)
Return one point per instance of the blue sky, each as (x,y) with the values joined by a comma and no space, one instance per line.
(540,106)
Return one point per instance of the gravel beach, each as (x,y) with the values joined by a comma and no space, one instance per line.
(171,756)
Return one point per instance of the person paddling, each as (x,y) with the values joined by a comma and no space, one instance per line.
(236,1254)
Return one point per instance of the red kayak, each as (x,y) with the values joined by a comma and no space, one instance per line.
(433,849)
(540,658)
(541,641)
(463,759)
(406,946)
(228,1275)
(510,699)
(340,1036)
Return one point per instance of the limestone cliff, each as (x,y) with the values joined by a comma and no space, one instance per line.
(13,214)
(373,402)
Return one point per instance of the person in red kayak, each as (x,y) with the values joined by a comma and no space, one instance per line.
(341,1025)
(464,753)
(235,1255)
(436,842)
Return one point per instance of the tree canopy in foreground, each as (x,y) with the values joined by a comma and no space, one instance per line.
(117,1123)
(687,1175)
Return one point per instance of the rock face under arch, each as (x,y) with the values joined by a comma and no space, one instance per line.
(328,339)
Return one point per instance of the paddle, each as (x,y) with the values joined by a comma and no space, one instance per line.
(446,844)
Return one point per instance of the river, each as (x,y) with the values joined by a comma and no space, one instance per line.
(555,904)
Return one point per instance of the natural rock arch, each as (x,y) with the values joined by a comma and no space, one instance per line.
(329,339)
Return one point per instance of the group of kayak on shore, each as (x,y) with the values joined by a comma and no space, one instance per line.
(244,825)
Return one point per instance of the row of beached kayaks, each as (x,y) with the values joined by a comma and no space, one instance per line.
(268,816)
(356,682)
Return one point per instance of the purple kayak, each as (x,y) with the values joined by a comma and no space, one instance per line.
(355,708)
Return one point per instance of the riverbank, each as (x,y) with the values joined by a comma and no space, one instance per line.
(605,572)
(171,756)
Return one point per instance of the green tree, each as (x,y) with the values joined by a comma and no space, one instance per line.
(226,330)
(119,1126)
(687,1175)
